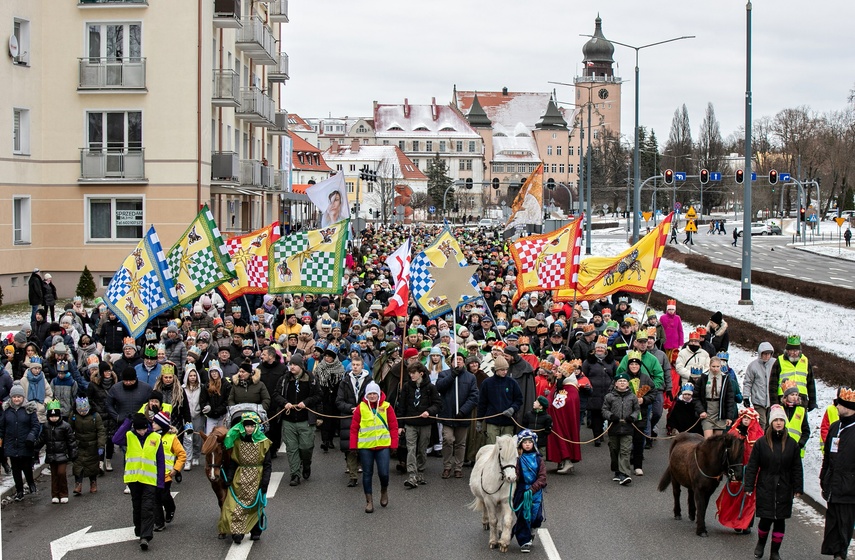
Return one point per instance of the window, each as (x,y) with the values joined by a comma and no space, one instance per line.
(21,32)
(442,145)
(468,163)
(114,42)
(370,188)
(561,168)
(351,187)
(498,168)
(21,224)
(458,146)
(114,218)
(596,134)
(472,146)
(115,131)
(554,168)
(554,135)
(21,131)
(549,150)
(416,163)
(462,166)
(353,167)
(339,167)
(569,168)
(428,145)
(558,150)
(415,145)
(385,142)
(401,145)
(570,150)
(510,168)
(361,129)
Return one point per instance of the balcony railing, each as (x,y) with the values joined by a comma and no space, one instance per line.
(256,40)
(111,73)
(225,167)
(137,3)
(227,13)
(280,126)
(277,11)
(250,173)
(268,177)
(256,107)
(226,90)
(279,72)
(108,165)
(280,179)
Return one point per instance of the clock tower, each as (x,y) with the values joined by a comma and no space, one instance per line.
(599,86)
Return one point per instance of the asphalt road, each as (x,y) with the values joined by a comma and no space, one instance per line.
(588,516)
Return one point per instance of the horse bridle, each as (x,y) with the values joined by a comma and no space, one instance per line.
(501,472)
(210,466)
(729,468)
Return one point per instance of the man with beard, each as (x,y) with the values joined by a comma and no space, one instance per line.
(272,371)
(792,364)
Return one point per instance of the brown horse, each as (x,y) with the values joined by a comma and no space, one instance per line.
(215,460)
(699,464)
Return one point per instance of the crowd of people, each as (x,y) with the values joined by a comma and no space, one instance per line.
(396,390)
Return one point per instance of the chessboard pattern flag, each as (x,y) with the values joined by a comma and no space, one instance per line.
(632,271)
(549,261)
(200,259)
(442,248)
(142,287)
(249,255)
(309,262)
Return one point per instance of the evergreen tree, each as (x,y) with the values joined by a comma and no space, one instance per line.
(438,181)
(86,285)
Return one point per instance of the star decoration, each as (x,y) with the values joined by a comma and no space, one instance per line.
(186,260)
(242,256)
(134,283)
(453,282)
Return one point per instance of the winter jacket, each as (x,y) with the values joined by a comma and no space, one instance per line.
(147,375)
(391,418)
(123,402)
(540,422)
(684,415)
(837,476)
(601,374)
(49,293)
(123,363)
(64,391)
(39,406)
(91,436)
(496,395)
(774,474)
(176,351)
(755,382)
(217,401)
(775,382)
(303,389)
(635,385)
(271,375)
(416,399)
(620,410)
(250,391)
(50,371)
(649,365)
(35,290)
(97,395)
(522,372)
(111,334)
(727,397)
(345,401)
(59,442)
(719,338)
(459,391)
(19,429)
(5,383)
(688,359)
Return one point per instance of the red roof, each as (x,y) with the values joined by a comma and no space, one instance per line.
(408,168)
(305,157)
(297,122)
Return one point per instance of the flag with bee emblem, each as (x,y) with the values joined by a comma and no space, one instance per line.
(309,262)
(632,271)
(200,260)
(549,261)
(142,287)
(249,255)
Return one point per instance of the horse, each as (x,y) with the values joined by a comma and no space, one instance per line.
(215,460)
(490,482)
(699,464)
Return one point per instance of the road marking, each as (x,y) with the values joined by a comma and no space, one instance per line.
(548,545)
(275,479)
(84,539)
(840,279)
(239,551)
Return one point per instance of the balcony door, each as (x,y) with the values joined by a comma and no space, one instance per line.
(113,135)
(117,47)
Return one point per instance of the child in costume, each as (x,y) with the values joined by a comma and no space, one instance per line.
(528,491)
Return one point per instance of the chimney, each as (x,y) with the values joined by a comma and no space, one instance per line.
(354,145)
(406,108)
(505,91)
(334,147)
(434,110)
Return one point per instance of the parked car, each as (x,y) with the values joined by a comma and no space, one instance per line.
(757,228)
(486,222)
(773,228)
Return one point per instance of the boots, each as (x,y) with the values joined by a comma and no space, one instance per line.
(93,487)
(306,459)
(78,488)
(369,503)
(108,465)
(761,543)
(384,496)
(777,538)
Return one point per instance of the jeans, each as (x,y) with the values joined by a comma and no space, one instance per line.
(417,442)
(144,500)
(58,480)
(453,446)
(367,458)
(33,313)
(654,413)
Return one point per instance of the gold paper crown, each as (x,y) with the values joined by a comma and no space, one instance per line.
(788,384)
(633,355)
(167,369)
(846,394)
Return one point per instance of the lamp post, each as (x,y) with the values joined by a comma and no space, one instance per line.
(745,295)
(636,222)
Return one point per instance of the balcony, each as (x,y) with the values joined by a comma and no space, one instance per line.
(280,127)
(256,107)
(227,13)
(279,72)
(112,74)
(112,166)
(255,40)
(225,167)
(268,177)
(226,92)
(280,180)
(250,173)
(277,11)
(113,3)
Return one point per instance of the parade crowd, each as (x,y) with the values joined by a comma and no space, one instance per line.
(309,369)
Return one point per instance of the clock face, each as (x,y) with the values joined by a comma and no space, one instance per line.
(603,93)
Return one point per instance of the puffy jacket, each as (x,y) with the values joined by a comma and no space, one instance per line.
(19,429)
(176,351)
(91,436)
(620,409)
(217,401)
(252,391)
(59,442)
(755,383)
(459,391)
(774,474)
(601,374)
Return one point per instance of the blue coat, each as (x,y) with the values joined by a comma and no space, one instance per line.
(496,395)
(19,429)
(459,396)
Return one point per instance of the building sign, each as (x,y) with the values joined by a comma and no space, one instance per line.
(129,217)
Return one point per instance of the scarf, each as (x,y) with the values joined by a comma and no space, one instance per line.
(36,387)
(107,382)
(66,381)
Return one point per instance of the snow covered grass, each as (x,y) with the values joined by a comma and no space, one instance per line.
(828,249)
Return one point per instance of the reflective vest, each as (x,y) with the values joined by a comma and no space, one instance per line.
(794,425)
(165,407)
(833,416)
(141,461)
(373,427)
(168,457)
(797,372)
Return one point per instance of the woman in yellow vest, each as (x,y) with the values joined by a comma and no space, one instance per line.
(248,475)
(373,432)
(797,421)
(174,458)
(145,470)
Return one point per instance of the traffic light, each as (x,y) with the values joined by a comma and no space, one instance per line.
(669,177)
(802,213)
(773,177)
(740,176)
(705,176)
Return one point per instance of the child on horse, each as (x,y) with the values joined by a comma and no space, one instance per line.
(528,492)
(734,508)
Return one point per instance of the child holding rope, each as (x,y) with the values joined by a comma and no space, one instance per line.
(528,492)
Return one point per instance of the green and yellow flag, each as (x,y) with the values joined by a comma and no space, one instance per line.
(309,262)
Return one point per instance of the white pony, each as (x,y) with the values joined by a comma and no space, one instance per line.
(490,483)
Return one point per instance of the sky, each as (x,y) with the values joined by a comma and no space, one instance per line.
(345,54)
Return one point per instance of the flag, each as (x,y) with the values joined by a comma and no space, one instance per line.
(549,261)
(527,208)
(309,262)
(399,266)
(442,248)
(330,196)
(200,260)
(632,271)
(142,287)
(249,255)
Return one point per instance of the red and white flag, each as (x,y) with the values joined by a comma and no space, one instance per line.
(399,266)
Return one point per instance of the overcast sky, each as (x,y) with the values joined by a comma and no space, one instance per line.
(344,54)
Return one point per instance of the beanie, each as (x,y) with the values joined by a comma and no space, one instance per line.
(776,412)
(17,390)
(162,420)
(372,388)
(622,375)
(20,337)
(544,402)
(296,359)
(155,395)
(500,363)
(129,374)
(410,352)
(139,421)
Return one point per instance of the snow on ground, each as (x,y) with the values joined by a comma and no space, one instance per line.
(827,249)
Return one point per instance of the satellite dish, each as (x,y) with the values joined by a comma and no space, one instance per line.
(13,46)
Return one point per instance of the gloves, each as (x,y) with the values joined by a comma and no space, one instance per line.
(100,452)
(746,402)
(206,409)
(615,419)
(188,428)
(460,415)
(177,477)
(630,419)
(479,426)
(509,412)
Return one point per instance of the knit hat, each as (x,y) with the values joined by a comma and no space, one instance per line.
(139,421)
(60,348)
(544,402)
(789,387)
(16,390)
(155,395)
(372,387)
(776,412)
(162,420)
(794,342)
(246,366)
(622,375)
(20,337)
(172,327)
(500,363)
(410,352)
(296,359)
(716,318)
(129,374)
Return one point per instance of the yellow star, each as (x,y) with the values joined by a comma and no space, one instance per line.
(134,283)
(242,256)
(185,262)
(452,281)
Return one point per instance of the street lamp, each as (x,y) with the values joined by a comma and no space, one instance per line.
(636,223)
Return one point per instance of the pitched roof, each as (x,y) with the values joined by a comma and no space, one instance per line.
(420,120)
(552,119)
(508,108)
(392,161)
(476,115)
(296,122)
(312,159)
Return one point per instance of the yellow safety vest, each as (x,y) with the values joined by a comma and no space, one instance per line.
(168,456)
(794,425)
(141,462)
(797,372)
(373,428)
(833,416)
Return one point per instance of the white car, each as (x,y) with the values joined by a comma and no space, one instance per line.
(486,222)
(757,228)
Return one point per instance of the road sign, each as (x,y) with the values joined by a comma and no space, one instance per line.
(690,226)
(679,175)
(812,218)
(715,176)
(784,177)
(647,216)
(840,221)
(432,209)
(677,206)
(753,176)
(691,214)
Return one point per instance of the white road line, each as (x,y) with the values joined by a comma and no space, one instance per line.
(841,279)
(239,551)
(548,545)
(275,479)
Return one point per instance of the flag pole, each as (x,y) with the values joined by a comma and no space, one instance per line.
(570,319)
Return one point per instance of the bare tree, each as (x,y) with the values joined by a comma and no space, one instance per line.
(710,155)
(680,147)
(837,139)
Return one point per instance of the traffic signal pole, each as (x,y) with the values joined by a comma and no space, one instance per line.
(745,296)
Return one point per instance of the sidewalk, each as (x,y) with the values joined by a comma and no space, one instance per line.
(826,249)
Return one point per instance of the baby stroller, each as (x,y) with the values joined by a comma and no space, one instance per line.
(235,412)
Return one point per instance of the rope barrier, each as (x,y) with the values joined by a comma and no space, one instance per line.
(689,429)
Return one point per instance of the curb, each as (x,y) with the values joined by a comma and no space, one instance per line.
(814,503)
(805,250)
(7,494)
